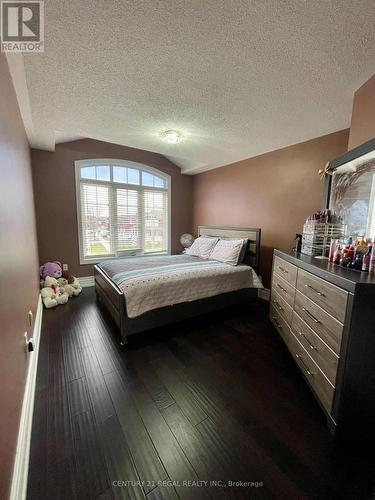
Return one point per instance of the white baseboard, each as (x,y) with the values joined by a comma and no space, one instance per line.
(21,464)
(86,281)
(264,294)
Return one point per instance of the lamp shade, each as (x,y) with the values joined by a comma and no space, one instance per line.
(187,240)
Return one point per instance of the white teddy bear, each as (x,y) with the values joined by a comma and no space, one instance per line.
(52,294)
(63,282)
(72,282)
(77,286)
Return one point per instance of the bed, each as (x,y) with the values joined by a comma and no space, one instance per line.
(141,293)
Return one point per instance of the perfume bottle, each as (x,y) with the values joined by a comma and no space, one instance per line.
(357,263)
(372,261)
(337,255)
(367,259)
(332,249)
(344,261)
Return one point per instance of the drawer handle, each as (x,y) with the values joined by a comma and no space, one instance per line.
(283,270)
(309,314)
(280,308)
(282,288)
(277,324)
(307,340)
(315,290)
(310,373)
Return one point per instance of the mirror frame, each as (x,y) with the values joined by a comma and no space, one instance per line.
(354,154)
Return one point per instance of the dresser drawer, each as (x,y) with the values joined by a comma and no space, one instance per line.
(281,306)
(331,298)
(320,384)
(323,355)
(322,323)
(281,325)
(284,289)
(285,270)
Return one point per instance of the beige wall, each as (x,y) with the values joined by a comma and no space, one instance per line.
(18,269)
(55,197)
(274,191)
(362,127)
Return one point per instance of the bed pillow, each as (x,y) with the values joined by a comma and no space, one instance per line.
(245,242)
(227,251)
(202,247)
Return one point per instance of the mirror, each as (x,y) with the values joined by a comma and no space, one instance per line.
(352,197)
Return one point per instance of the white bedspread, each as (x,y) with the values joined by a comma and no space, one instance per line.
(180,278)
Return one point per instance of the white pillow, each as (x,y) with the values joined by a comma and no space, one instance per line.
(202,247)
(227,251)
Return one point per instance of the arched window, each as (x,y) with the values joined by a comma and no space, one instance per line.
(122,209)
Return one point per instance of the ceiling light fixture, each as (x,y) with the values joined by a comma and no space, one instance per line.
(171,137)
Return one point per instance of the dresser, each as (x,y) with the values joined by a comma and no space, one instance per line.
(325,315)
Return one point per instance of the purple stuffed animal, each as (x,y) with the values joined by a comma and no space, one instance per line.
(52,269)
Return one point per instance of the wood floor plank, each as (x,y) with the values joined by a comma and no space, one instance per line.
(147,461)
(201,457)
(106,495)
(59,435)
(98,391)
(62,481)
(122,473)
(78,396)
(72,357)
(105,360)
(163,492)
(90,461)
(175,462)
(151,381)
(38,446)
(180,393)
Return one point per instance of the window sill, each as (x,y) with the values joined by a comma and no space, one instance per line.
(96,260)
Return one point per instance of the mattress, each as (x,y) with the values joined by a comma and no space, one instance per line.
(158,281)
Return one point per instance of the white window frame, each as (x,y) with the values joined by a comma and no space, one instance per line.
(79,164)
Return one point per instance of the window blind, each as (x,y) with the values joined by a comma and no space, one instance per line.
(121,210)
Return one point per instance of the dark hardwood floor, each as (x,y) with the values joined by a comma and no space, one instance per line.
(213,399)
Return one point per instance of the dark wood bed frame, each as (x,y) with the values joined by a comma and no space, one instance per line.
(111,297)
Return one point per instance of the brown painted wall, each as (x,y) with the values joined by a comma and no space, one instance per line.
(362,127)
(274,191)
(18,269)
(55,197)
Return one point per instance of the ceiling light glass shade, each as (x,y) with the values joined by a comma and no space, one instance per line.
(171,137)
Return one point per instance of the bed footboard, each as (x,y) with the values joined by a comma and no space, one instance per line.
(112,299)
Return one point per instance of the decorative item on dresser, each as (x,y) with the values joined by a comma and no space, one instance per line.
(325,314)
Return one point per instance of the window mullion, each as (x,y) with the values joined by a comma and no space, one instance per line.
(113,220)
(142,217)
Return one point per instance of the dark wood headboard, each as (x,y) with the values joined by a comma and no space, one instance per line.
(253,235)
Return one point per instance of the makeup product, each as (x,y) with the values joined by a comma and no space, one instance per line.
(337,255)
(367,259)
(372,261)
(357,263)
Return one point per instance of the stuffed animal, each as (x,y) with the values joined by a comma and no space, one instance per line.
(52,269)
(77,286)
(63,282)
(52,294)
(73,281)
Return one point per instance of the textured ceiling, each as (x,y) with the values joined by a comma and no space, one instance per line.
(236,77)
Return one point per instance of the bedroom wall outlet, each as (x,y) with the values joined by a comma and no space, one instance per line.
(29,342)
(65,267)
